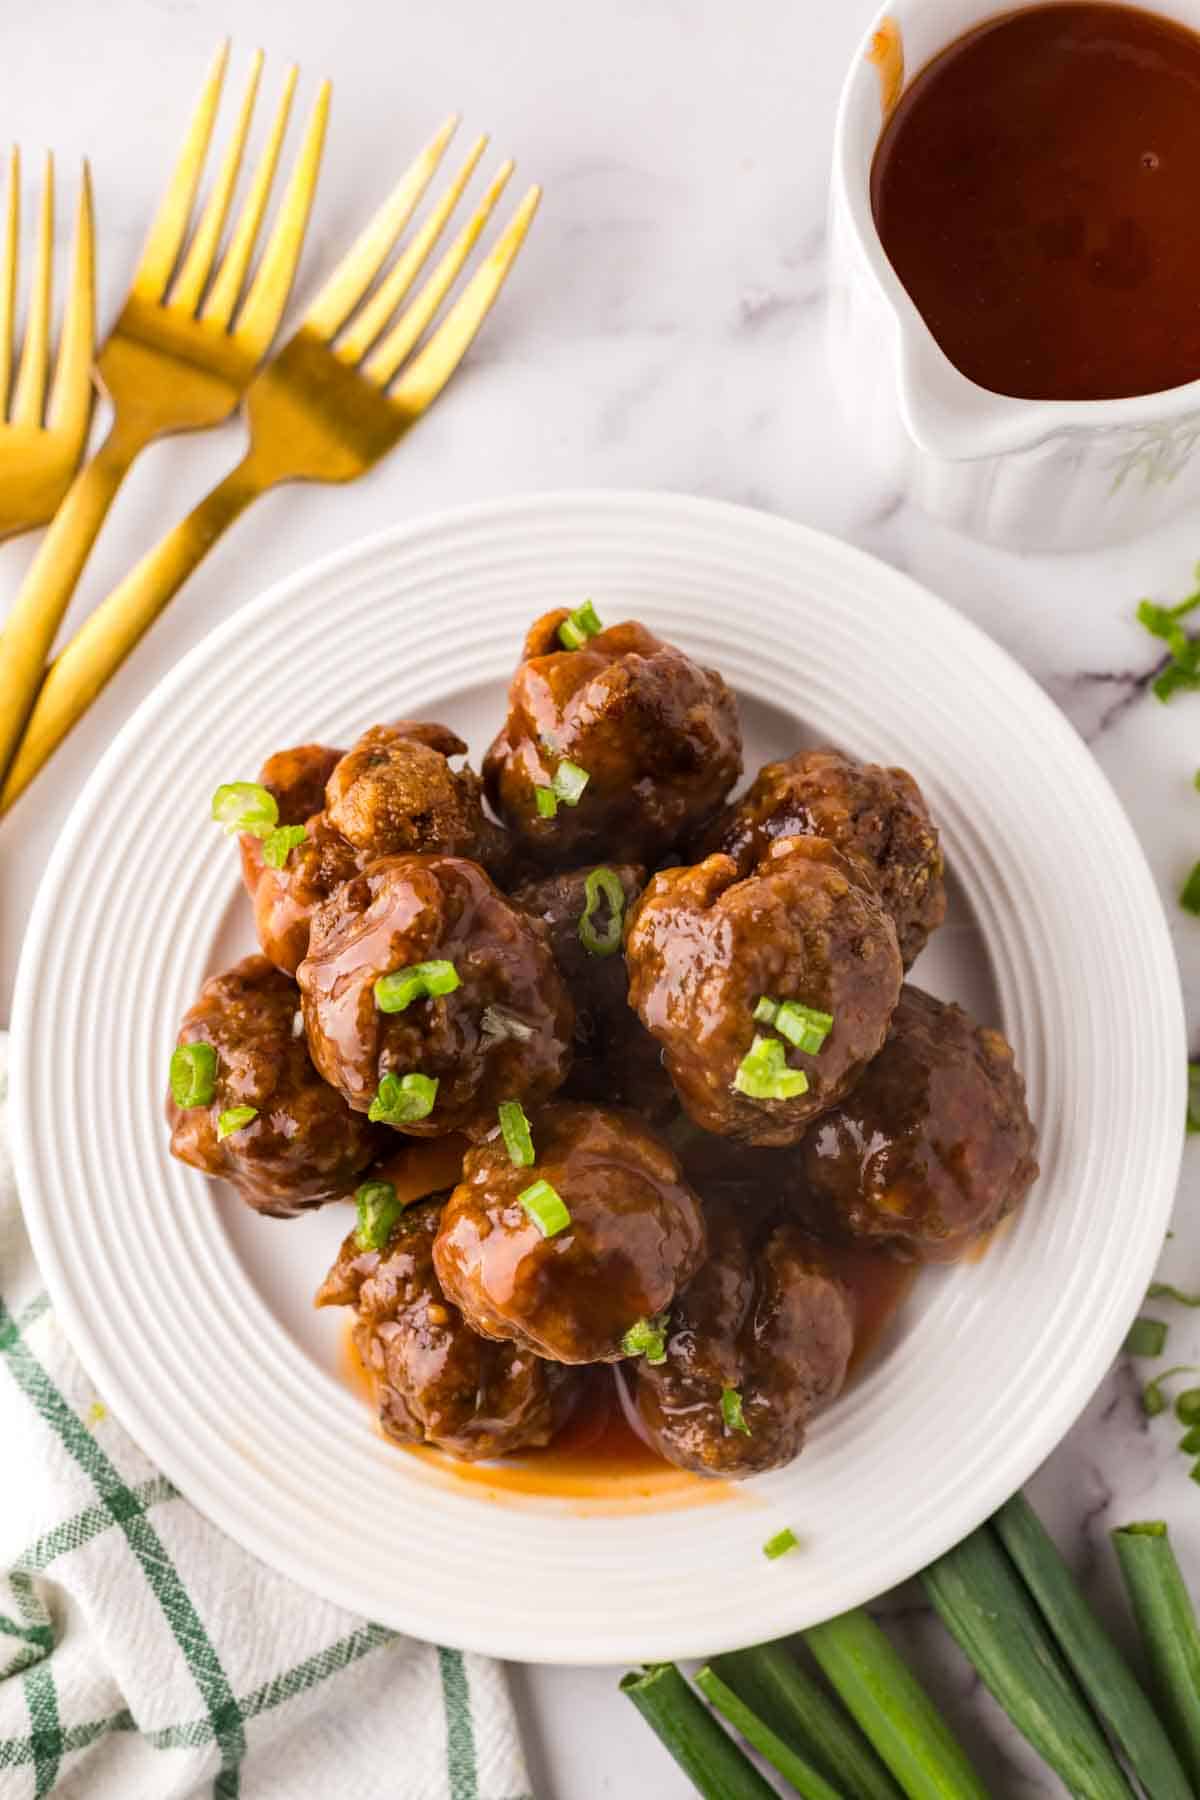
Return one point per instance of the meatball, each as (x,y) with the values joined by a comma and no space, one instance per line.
(656,735)
(934,1145)
(436,1381)
(393,792)
(303,1145)
(874,813)
(633,1235)
(497,1026)
(757,1342)
(704,948)
(616,1061)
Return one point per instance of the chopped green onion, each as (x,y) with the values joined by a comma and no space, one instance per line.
(1187,1406)
(602,885)
(1168,1631)
(279,844)
(1146,1337)
(402,1099)
(763,1073)
(1097,1664)
(1162,1290)
(546,1208)
(378,1210)
(569,782)
(579,626)
(800,1711)
(780,1544)
(712,1762)
(1189,893)
(797,1771)
(245,806)
(1175,677)
(502,1022)
(234,1118)
(419,981)
(648,1338)
(1193,1099)
(547,802)
(1194,1472)
(801,1025)
(1189,1443)
(518,1140)
(731,1411)
(193,1074)
(1154,1400)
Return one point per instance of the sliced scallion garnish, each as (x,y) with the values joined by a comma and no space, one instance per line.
(731,1411)
(518,1139)
(648,1338)
(378,1210)
(1154,1399)
(402,1099)
(602,885)
(801,1025)
(397,990)
(579,626)
(235,1118)
(1189,1443)
(547,802)
(193,1074)
(245,806)
(1162,1290)
(1145,1337)
(763,1073)
(546,1207)
(780,1544)
(569,782)
(1187,1406)
(279,844)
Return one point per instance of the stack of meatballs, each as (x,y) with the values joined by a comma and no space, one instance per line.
(665,1042)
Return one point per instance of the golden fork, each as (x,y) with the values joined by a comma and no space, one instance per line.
(41,442)
(178,358)
(335,399)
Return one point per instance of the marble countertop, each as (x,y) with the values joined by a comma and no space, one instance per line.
(664,330)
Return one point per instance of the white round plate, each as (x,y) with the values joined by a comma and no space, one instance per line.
(194,1316)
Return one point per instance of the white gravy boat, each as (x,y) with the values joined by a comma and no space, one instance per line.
(1032,474)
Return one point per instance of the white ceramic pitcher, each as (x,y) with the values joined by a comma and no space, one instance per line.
(1031,474)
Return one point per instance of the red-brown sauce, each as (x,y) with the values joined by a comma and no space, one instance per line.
(1035,190)
(599,1459)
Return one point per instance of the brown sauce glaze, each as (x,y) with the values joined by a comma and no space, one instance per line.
(599,1460)
(1034,188)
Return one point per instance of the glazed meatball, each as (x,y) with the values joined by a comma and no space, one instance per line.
(437,1381)
(616,1061)
(304,1145)
(503,1031)
(393,792)
(933,1146)
(634,1234)
(656,735)
(867,811)
(757,1343)
(705,947)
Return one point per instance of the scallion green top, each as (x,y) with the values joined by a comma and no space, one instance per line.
(579,626)
(235,1118)
(378,1210)
(402,1099)
(193,1074)
(546,1207)
(518,1139)
(397,990)
(602,886)
(648,1338)
(245,806)
(763,1073)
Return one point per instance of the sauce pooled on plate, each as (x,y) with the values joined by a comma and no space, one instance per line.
(1035,191)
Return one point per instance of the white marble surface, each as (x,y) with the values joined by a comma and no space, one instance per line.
(663,331)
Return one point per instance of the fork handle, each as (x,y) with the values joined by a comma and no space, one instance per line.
(109,634)
(53,574)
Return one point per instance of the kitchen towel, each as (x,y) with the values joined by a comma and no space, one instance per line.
(144,1656)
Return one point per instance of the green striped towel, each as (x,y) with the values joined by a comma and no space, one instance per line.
(143,1656)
